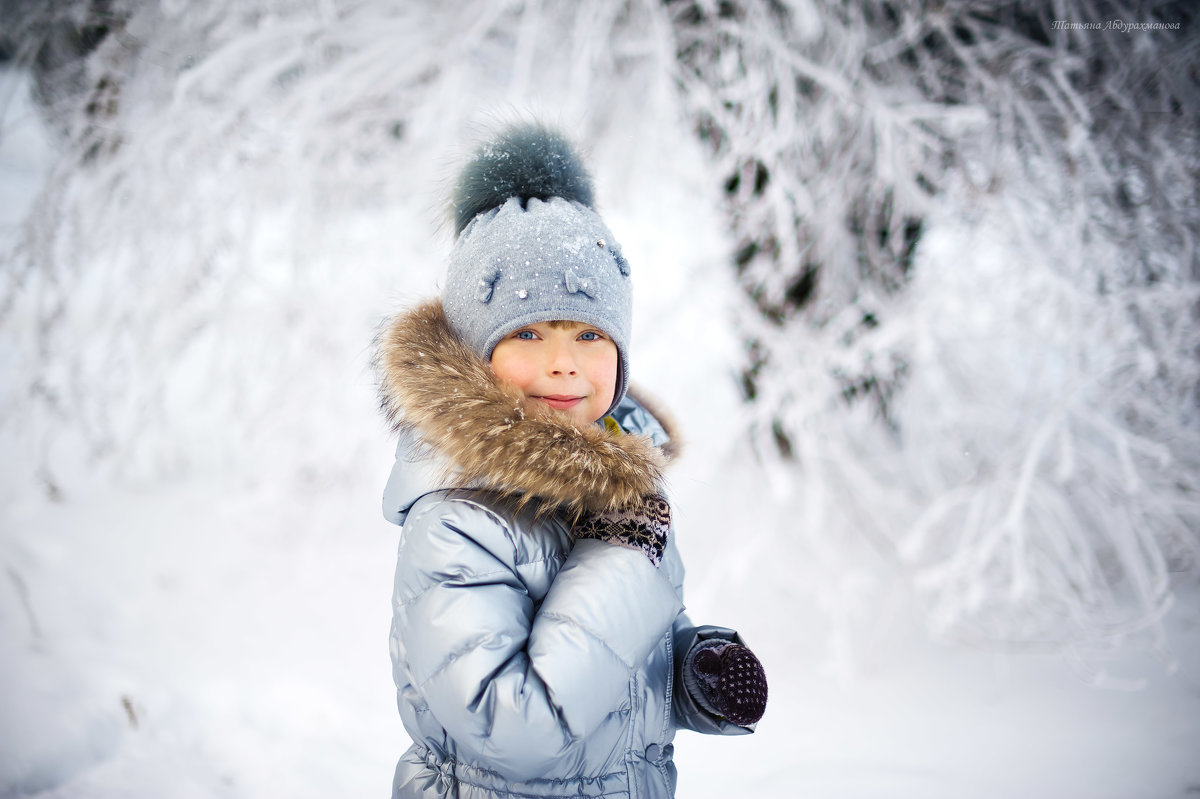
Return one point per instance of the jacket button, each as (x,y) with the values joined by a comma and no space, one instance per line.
(653,752)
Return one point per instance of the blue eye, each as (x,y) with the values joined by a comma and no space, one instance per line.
(590,335)
(526,335)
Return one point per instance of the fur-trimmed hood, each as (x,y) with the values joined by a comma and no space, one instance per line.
(436,390)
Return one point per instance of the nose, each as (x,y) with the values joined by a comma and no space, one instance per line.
(562,360)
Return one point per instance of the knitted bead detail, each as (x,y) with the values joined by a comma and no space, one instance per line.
(728,680)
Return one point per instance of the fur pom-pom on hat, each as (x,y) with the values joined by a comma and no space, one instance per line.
(525,162)
(531,247)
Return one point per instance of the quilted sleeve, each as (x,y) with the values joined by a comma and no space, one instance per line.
(515,681)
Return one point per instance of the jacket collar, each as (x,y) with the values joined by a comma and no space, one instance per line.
(435,390)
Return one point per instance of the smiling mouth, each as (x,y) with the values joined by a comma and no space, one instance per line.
(560,401)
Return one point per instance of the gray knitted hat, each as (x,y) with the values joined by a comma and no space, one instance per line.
(531,247)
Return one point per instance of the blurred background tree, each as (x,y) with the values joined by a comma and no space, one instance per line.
(963,239)
(966,236)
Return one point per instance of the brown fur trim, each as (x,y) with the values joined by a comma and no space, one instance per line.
(432,382)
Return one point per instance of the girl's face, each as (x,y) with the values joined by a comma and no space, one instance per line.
(569,366)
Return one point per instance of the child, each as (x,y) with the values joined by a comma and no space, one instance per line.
(539,644)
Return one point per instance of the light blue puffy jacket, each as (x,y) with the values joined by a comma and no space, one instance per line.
(526,664)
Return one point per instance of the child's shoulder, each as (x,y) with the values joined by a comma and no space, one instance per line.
(472,533)
(641,414)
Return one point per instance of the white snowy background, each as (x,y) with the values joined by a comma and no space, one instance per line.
(950,494)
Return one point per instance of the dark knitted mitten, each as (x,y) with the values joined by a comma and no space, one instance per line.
(727,680)
(643,526)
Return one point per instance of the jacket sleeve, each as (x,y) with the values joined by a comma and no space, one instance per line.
(688,713)
(514,682)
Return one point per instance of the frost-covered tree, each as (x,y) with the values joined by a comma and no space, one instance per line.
(964,234)
(966,237)
(235,179)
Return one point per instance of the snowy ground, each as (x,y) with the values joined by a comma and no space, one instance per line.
(209,636)
(197,642)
